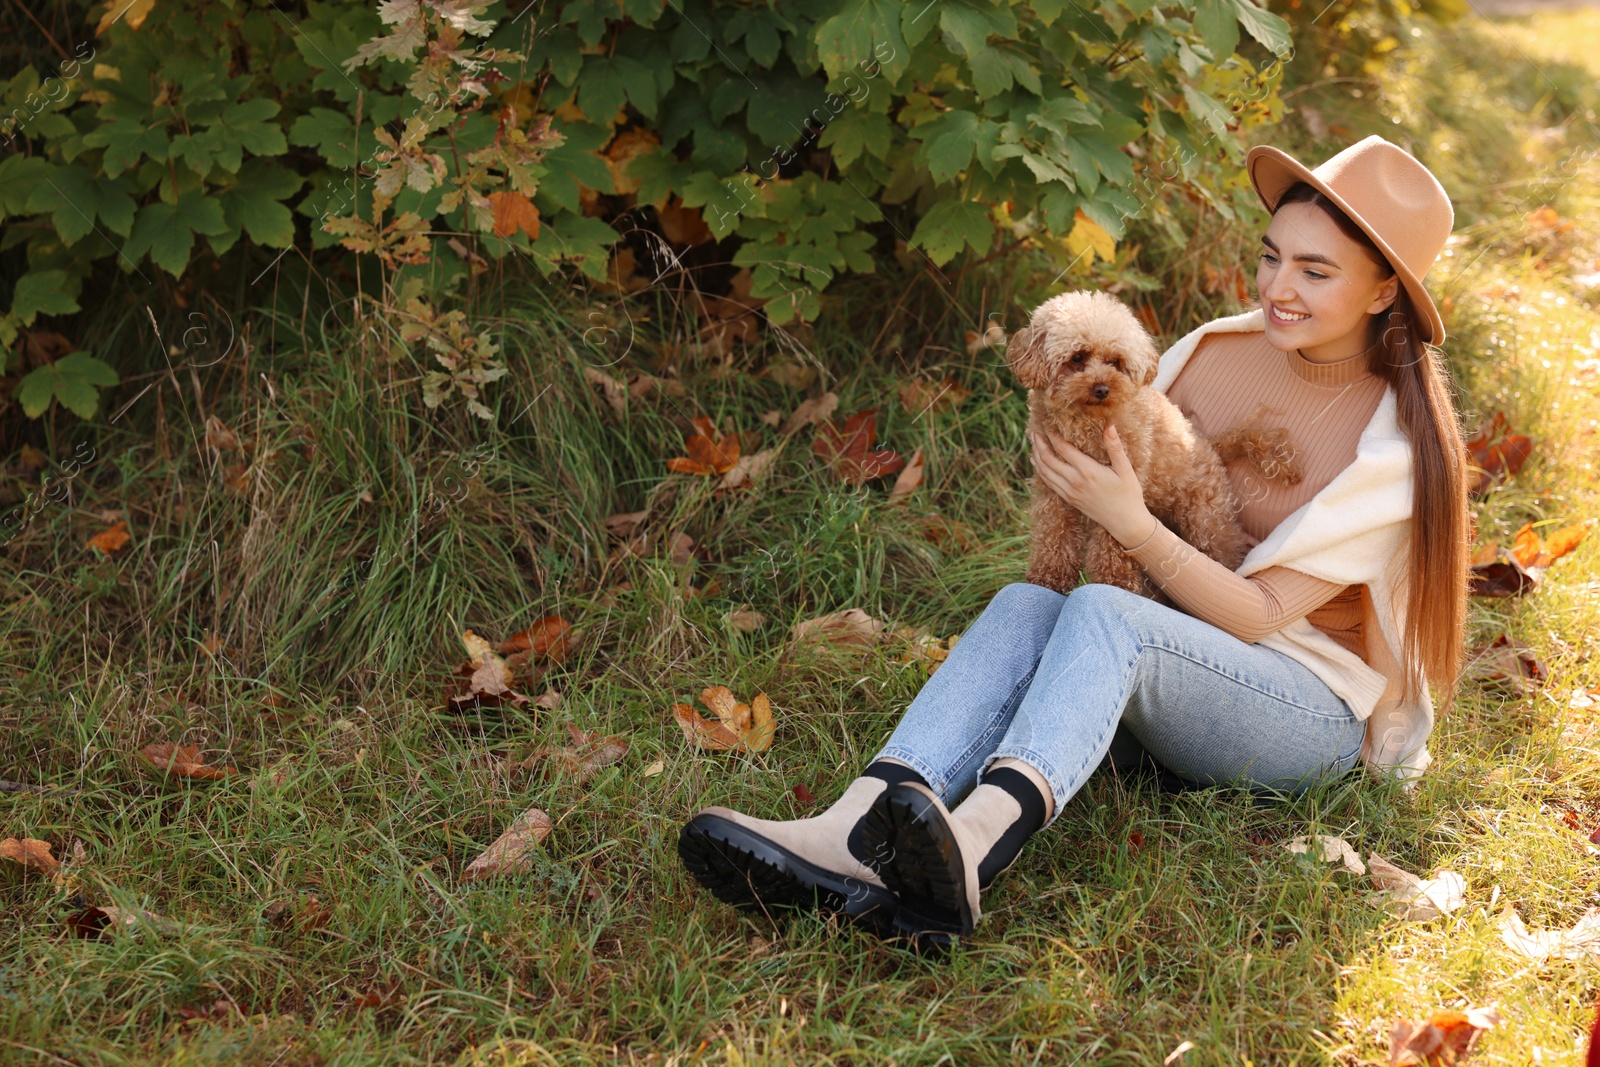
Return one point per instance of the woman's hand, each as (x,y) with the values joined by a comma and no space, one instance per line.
(1109,495)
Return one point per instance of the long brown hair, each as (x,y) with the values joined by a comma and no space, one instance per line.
(1436,610)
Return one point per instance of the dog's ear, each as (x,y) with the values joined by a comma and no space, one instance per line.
(1152,360)
(1025,354)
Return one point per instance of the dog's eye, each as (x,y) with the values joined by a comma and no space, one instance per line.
(1079,356)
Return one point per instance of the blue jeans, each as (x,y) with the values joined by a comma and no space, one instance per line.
(1064,681)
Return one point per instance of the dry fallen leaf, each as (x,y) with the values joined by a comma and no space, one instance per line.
(1444,1039)
(850,628)
(738,727)
(923,397)
(385,996)
(748,471)
(181,761)
(710,452)
(848,450)
(302,914)
(682,225)
(219,436)
(512,851)
(993,334)
(1508,665)
(110,542)
(33,854)
(744,620)
(551,638)
(1503,458)
(92,922)
(654,769)
(1332,848)
(938,530)
(487,678)
(624,148)
(589,752)
(922,646)
(624,523)
(1500,572)
(1582,940)
(810,412)
(909,478)
(32,459)
(1413,897)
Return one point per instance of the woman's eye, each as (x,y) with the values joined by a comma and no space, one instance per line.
(1314,274)
(1268,257)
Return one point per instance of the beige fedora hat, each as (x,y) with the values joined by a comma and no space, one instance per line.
(1385,191)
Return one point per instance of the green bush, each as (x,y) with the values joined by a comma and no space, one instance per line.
(440,137)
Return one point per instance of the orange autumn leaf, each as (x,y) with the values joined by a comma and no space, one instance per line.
(682,225)
(1525,545)
(1446,1038)
(738,726)
(32,853)
(1496,451)
(181,761)
(704,732)
(848,449)
(625,147)
(110,542)
(620,275)
(551,637)
(1565,539)
(1530,552)
(513,212)
(709,451)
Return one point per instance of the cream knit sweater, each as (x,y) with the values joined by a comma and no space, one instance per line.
(1354,531)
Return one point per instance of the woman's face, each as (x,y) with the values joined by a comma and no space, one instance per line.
(1317,286)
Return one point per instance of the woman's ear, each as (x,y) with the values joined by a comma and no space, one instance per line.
(1025,355)
(1387,294)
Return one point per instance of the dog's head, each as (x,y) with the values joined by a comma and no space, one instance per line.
(1083,350)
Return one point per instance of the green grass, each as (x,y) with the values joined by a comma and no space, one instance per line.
(330,592)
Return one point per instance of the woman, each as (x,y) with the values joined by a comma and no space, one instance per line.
(1316,651)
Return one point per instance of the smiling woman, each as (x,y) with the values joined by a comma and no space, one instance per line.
(1274,677)
(1313,302)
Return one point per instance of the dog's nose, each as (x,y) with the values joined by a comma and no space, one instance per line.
(1101,391)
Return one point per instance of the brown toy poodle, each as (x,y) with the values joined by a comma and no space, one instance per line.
(1086,359)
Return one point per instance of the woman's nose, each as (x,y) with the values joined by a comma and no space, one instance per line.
(1278,294)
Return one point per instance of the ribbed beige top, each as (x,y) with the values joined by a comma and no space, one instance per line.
(1324,406)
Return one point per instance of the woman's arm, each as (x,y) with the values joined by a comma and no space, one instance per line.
(1248,608)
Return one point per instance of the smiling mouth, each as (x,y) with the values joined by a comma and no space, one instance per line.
(1287,318)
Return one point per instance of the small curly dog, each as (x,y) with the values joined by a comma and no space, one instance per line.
(1085,360)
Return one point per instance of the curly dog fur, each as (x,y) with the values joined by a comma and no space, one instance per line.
(1086,360)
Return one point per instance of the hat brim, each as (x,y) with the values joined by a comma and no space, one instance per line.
(1272,171)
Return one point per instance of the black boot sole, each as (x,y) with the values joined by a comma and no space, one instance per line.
(749,871)
(918,859)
